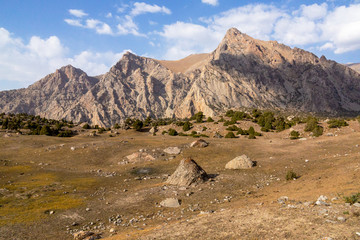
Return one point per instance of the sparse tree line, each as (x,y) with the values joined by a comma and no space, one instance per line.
(267,120)
(36,125)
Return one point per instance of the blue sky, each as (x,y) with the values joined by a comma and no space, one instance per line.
(39,36)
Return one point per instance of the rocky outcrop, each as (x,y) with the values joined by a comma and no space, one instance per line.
(187,173)
(240,162)
(241,72)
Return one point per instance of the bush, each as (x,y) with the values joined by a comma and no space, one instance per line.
(318,131)
(291,175)
(164,132)
(87,126)
(209,119)
(66,133)
(172,132)
(230,135)
(204,129)
(45,130)
(312,126)
(337,123)
(198,117)
(252,136)
(138,124)
(187,126)
(294,134)
(232,128)
(353,198)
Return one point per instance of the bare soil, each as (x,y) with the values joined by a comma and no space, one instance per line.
(52,187)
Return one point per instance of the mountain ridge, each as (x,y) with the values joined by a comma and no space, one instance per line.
(240,72)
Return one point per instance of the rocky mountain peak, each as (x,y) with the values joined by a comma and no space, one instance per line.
(242,72)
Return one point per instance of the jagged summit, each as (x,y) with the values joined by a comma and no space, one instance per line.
(240,72)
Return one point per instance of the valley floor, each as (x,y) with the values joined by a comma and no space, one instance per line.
(52,187)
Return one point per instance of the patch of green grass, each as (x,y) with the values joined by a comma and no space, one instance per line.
(32,197)
(352,199)
(291,175)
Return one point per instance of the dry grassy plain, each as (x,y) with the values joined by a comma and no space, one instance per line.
(49,184)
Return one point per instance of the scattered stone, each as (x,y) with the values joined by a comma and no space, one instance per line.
(330,134)
(302,139)
(199,143)
(170,202)
(188,172)
(153,130)
(87,209)
(172,150)
(283,199)
(341,219)
(322,198)
(72,148)
(51,212)
(86,235)
(140,157)
(241,162)
(322,203)
(306,160)
(218,135)
(356,205)
(112,230)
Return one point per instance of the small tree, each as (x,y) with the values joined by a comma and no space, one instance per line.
(294,134)
(86,126)
(187,126)
(172,132)
(138,124)
(45,130)
(199,117)
(230,135)
(209,119)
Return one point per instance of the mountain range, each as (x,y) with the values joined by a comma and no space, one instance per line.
(240,72)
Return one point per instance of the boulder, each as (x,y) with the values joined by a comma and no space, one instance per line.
(240,162)
(188,172)
(199,143)
(170,202)
(140,157)
(172,150)
(153,130)
(86,235)
(218,135)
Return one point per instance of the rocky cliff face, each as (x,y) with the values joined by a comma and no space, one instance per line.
(241,72)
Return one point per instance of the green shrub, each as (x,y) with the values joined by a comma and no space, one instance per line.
(187,126)
(164,132)
(138,124)
(198,117)
(232,128)
(87,126)
(252,136)
(204,129)
(66,133)
(172,132)
(230,135)
(45,130)
(294,134)
(318,131)
(353,198)
(209,119)
(337,123)
(291,175)
(183,134)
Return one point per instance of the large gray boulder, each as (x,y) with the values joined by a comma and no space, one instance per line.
(187,173)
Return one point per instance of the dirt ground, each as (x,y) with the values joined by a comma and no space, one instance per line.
(52,187)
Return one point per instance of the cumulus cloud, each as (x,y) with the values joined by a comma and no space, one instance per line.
(127,26)
(73,22)
(100,27)
(24,63)
(142,8)
(211,2)
(77,13)
(315,26)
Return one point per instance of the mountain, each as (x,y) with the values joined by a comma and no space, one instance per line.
(355,66)
(240,72)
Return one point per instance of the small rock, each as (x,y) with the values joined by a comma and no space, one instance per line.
(322,198)
(172,150)
(112,230)
(87,209)
(322,203)
(72,148)
(356,205)
(199,143)
(283,199)
(170,202)
(341,219)
(51,212)
(302,139)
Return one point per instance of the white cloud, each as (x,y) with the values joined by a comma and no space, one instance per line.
(142,8)
(109,15)
(342,28)
(25,63)
(127,26)
(77,13)
(211,2)
(315,26)
(100,27)
(73,22)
